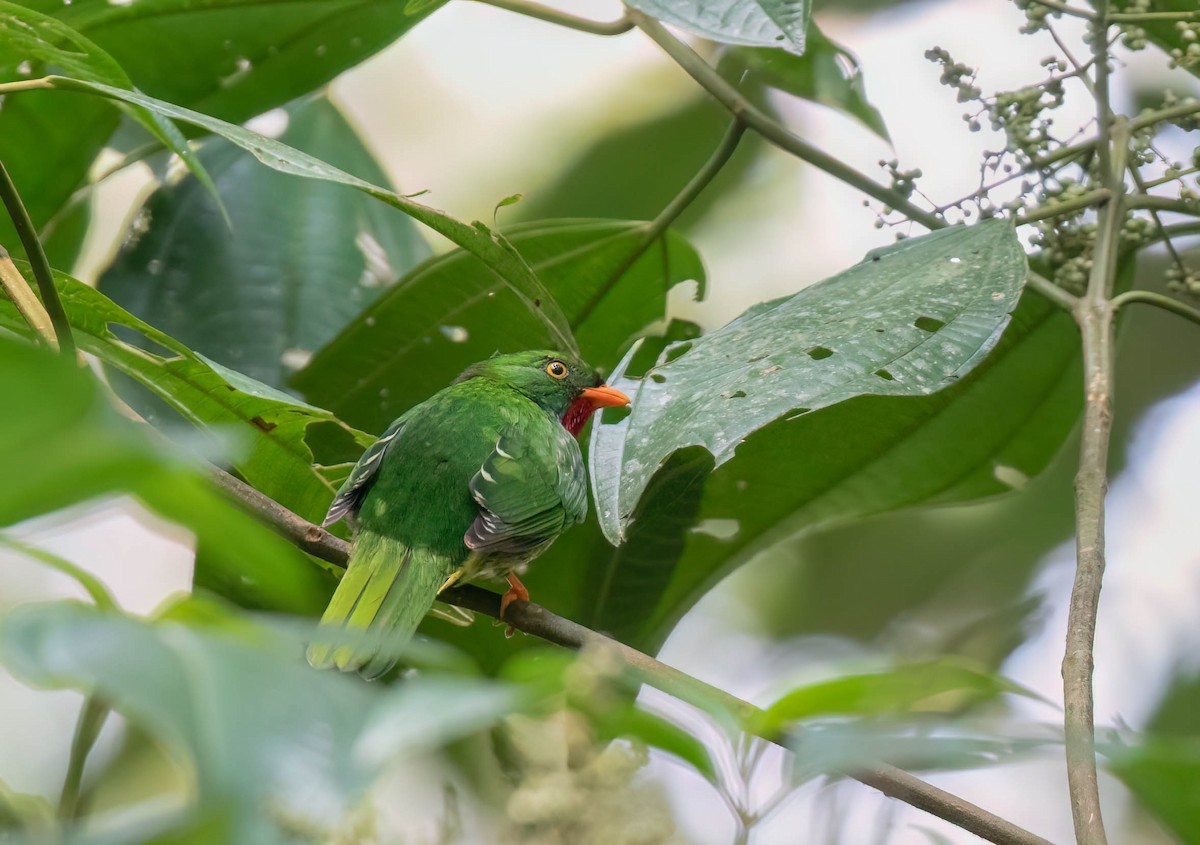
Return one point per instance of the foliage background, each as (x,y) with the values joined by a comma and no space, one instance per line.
(474,126)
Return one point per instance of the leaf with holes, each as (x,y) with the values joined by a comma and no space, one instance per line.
(763,23)
(908,321)
(269,426)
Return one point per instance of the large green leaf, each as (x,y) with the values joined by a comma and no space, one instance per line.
(280,743)
(64,444)
(476,238)
(234,59)
(827,73)
(907,322)
(268,426)
(765,23)
(298,259)
(1163,31)
(1164,773)
(451,312)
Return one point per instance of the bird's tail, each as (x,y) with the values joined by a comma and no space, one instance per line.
(386,591)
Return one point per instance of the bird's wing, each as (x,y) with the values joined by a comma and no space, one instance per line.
(355,488)
(529,490)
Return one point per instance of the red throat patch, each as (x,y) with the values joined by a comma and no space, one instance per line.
(577,415)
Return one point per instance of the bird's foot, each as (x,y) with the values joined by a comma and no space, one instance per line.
(516,591)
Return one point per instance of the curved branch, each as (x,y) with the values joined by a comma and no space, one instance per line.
(535,620)
(1166,303)
(550,15)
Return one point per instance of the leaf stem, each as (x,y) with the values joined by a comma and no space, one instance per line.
(550,15)
(769,128)
(537,621)
(659,225)
(1073,11)
(37,260)
(92,716)
(1158,300)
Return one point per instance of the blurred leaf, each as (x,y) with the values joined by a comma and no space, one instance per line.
(270,425)
(452,311)
(1165,776)
(285,744)
(489,247)
(907,322)
(64,233)
(234,59)
(1162,31)
(766,23)
(75,447)
(51,43)
(21,814)
(632,722)
(827,73)
(302,256)
(934,686)
(92,585)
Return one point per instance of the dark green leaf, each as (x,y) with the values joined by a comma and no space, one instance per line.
(451,311)
(906,322)
(827,73)
(766,23)
(499,256)
(269,426)
(302,256)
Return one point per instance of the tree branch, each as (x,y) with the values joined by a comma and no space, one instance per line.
(1166,303)
(37,259)
(550,15)
(535,620)
(769,128)
(27,304)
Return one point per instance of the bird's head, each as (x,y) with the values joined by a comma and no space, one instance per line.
(560,383)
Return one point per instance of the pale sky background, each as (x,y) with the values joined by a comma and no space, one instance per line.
(457,107)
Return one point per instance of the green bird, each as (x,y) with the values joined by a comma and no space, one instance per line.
(476,481)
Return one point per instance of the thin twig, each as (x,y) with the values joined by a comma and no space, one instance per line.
(659,225)
(37,260)
(550,15)
(1178,206)
(1158,300)
(1073,11)
(22,296)
(772,130)
(87,729)
(1087,200)
(535,620)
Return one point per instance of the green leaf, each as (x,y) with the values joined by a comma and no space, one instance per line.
(827,73)
(632,722)
(50,42)
(488,246)
(1164,774)
(868,455)
(935,686)
(239,57)
(906,322)
(67,445)
(270,426)
(261,729)
(451,311)
(1163,32)
(765,23)
(302,256)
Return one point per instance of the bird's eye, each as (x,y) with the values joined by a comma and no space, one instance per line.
(557,369)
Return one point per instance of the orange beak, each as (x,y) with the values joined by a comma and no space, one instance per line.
(605,396)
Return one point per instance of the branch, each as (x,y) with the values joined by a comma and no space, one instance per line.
(771,129)
(655,229)
(535,620)
(1094,314)
(37,259)
(550,15)
(92,716)
(1166,303)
